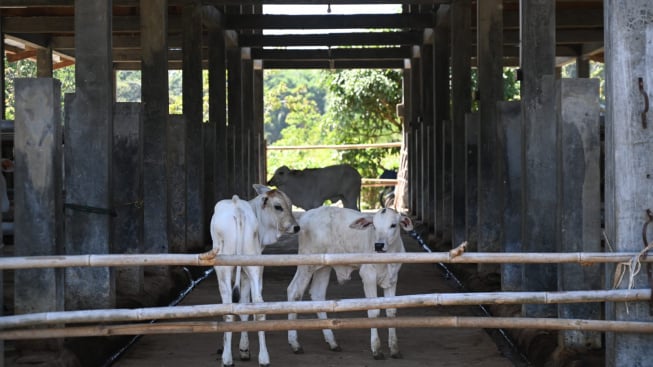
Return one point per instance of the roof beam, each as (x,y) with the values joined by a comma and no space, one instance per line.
(377,53)
(332,39)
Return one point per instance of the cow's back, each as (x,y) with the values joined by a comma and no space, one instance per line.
(326,230)
(235,224)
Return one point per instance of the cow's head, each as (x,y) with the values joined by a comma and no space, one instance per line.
(274,210)
(279,177)
(386,223)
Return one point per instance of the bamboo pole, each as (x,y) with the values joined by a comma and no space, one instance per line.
(586,258)
(337,324)
(336,147)
(345,305)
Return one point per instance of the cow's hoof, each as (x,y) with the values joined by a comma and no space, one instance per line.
(264,365)
(244,355)
(227,365)
(336,349)
(299,350)
(378,356)
(397,355)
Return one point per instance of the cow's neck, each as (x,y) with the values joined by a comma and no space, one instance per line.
(267,229)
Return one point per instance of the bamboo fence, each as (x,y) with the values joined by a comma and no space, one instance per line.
(60,261)
(337,324)
(344,305)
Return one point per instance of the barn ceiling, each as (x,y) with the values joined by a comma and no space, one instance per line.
(32,24)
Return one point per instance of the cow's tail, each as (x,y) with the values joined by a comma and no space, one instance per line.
(235,293)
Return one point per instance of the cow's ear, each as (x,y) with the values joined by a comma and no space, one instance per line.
(260,189)
(406,223)
(265,202)
(362,223)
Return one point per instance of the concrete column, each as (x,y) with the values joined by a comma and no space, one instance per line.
(538,146)
(629,57)
(579,209)
(38,220)
(258,108)
(88,154)
(193,108)
(44,62)
(127,187)
(154,96)
(416,117)
(472,127)
(441,53)
(427,172)
(490,85)
(509,137)
(235,120)
(582,67)
(177,190)
(461,98)
(218,108)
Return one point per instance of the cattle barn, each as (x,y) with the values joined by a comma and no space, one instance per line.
(554,173)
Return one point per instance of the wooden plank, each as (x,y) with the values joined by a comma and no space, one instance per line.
(377,53)
(333,39)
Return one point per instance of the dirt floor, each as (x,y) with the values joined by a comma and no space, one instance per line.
(419,346)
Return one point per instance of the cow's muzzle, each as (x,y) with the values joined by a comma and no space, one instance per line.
(378,246)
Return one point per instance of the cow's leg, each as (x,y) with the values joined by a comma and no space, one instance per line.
(245,290)
(393,342)
(296,290)
(318,290)
(255,275)
(224,283)
(368,276)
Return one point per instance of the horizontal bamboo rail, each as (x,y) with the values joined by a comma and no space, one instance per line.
(344,305)
(60,261)
(337,324)
(336,147)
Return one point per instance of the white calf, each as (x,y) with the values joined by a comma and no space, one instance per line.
(339,230)
(240,227)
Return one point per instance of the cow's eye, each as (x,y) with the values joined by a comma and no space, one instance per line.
(278,207)
(393,225)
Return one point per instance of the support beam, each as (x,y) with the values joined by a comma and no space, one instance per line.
(538,147)
(629,60)
(88,153)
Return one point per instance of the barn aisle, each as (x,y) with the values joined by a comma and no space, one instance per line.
(420,347)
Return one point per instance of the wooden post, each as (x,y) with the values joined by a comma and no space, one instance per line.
(218,108)
(538,146)
(490,80)
(44,62)
(472,127)
(177,191)
(127,186)
(579,208)
(37,230)
(154,96)
(192,107)
(441,53)
(427,189)
(461,100)
(509,137)
(88,154)
(629,81)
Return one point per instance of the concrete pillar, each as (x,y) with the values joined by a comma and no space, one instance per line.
(218,108)
(538,146)
(127,188)
(258,108)
(427,190)
(193,111)
(472,127)
(629,57)
(154,96)
(235,121)
(461,98)
(582,67)
(509,137)
(177,190)
(490,85)
(441,51)
(88,154)
(38,223)
(44,62)
(579,208)
(416,118)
